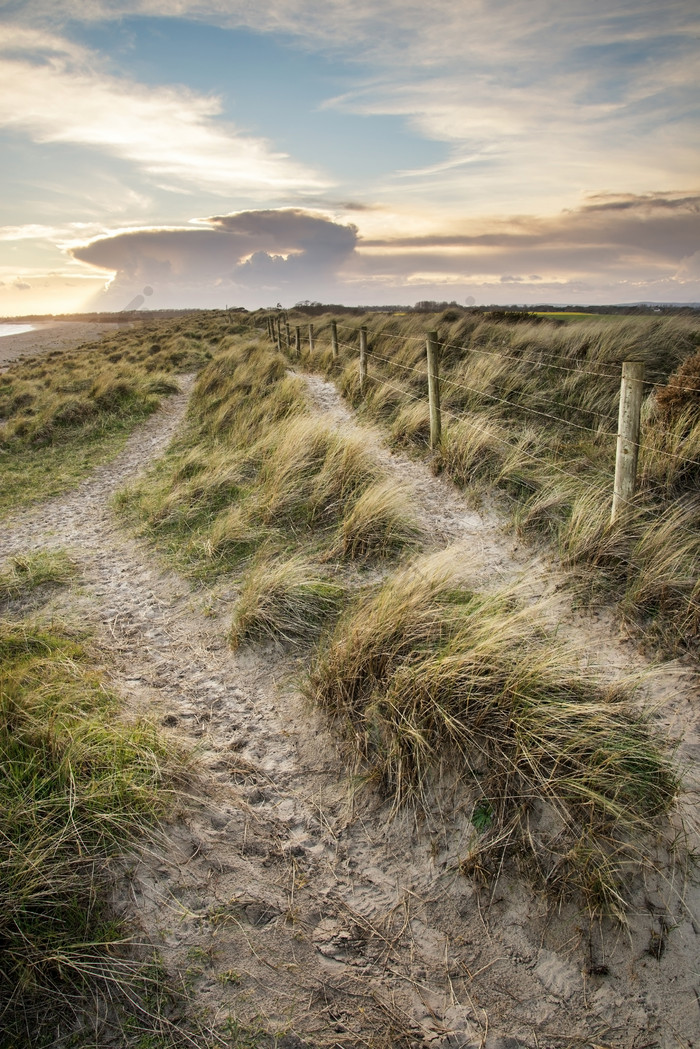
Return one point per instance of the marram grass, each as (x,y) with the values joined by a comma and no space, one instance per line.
(285,600)
(79,788)
(530,409)
(66,412)
(256,469)
(427,675)
(25,574)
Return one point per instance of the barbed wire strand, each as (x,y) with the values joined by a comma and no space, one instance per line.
(548,464)
(512,404)
(497,353)
(526,408)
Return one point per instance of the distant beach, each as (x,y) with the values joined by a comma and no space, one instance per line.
(28,340)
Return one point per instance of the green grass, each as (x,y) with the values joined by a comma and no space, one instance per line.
(428,676)
(31,474)
(64,413)
(34,573)
(80,788)
(256,475)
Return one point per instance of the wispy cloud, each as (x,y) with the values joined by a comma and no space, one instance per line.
(534,105)
(641,238)
(56,92)
(562,133)
(64,236)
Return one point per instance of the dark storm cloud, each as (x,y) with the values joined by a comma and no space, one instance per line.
(261,257)
(310,241)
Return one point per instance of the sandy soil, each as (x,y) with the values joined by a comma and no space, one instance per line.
(51,335)
(292,896)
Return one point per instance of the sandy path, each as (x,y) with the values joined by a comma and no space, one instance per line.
(287,896)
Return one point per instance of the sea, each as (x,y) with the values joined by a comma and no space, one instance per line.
(15,329)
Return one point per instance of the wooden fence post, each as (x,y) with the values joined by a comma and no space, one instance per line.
(311,338)
(433,352)
(278,333)
(269,328)
(363,359)
(297,342)
(631,390)
(288,334)
(334,338)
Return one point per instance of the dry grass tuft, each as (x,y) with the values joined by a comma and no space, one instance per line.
(427,674)
(285,600)
(38,571)
(381,523)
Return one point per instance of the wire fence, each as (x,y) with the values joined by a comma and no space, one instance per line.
(514,403)
(411,383)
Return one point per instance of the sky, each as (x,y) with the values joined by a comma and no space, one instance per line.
(212,153)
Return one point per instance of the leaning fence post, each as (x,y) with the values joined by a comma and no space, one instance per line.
(311,338)
(363,359)
(297,342)
(334,338)
(278,333)
(287,333)
(631,390)
(433,352)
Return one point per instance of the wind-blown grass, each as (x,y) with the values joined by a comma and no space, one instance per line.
(285,600)
(68,411)
(428,675)
(79,788)
(530,410)
(35,572)
(255,469)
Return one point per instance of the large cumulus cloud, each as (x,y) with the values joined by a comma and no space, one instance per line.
(256,257)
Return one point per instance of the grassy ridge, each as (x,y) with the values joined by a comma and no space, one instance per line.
(422,671)
(531,410)
(259,487)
